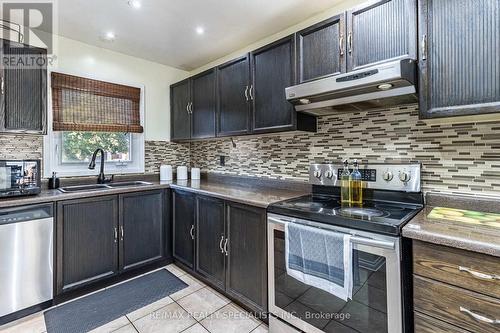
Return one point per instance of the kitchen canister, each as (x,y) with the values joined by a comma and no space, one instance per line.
(195,173)
(165,173)
(182,173)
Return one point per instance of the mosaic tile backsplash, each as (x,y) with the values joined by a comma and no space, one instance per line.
(461,158)
(20,147)
(455,157)
(163,152)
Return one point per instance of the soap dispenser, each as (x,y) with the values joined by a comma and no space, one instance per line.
(345,185)
(356,185)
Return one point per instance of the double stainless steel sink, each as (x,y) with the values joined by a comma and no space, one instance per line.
(100,187)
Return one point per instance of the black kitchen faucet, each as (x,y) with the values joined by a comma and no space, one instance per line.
(101,179)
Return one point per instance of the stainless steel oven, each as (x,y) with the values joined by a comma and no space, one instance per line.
(376,304)
(19,178)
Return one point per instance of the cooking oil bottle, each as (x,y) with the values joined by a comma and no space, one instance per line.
(345,185)
(356,197)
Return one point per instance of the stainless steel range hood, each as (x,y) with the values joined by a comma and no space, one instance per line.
(381,86)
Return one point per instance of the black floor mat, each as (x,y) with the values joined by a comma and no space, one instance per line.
(90,312)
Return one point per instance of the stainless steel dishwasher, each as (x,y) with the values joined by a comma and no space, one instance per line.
(26,250)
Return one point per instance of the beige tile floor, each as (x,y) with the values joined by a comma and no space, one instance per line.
(195,309)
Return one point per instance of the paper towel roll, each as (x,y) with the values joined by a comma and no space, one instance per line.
(195,173)
(165,173)
(182,173)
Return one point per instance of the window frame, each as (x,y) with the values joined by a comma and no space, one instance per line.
(52,150)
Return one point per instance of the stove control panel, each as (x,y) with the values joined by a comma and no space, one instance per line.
(394,177)
(367,175)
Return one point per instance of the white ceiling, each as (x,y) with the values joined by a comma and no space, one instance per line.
(164,30)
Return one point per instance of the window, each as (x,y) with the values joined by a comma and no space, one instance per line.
(78,147)
(89,114)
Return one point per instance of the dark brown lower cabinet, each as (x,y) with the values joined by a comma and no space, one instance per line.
(87,238)
(210,238)
(141,228)
(230,246)
(102,237)
(246,273)
(183,207)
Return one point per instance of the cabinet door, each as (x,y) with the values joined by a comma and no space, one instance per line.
(459,61)
(380,31)
(204,105)
(23,90)
(210,238)
(234,100)
(273,69)
(321,49)
(180,102)
(184,206)
(141,228)
(87,241)
(246,270)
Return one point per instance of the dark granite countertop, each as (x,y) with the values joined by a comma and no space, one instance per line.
(237,189)
(258,196)
(464,232)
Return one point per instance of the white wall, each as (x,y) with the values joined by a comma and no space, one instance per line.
(337,9)
(77,58)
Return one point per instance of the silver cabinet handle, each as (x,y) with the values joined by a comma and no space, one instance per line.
(478,275)
(121,232)
(424,47)
(190,108)
(341,45)
(479,317)
(250,92)
(225,247)
(116,234)
(191,232)
(2,85)
(349,42)
(220,244)
(246,93)
(187,108)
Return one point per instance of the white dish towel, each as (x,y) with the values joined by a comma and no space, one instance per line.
(320,258)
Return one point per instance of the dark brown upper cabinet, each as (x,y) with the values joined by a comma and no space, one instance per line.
(23,89)
(321,49)
(273,69)
(233,80)
(459,57)
(180,110)
(203,105)
(380,31)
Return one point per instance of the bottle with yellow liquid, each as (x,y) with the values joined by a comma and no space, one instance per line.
(345,186)
(356,186)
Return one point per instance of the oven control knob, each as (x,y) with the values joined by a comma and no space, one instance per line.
(404,176)
(329,174)
(387,176)
(317,173)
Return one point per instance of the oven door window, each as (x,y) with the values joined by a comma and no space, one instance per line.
(366,312)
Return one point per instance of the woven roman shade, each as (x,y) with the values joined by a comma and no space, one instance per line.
(81,104)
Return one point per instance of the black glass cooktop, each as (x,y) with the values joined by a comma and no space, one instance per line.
(381,216)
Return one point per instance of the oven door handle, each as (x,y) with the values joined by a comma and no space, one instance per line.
(354,239)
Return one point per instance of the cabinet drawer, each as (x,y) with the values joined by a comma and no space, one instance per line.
(470,270)
(468,310)
(426,324)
